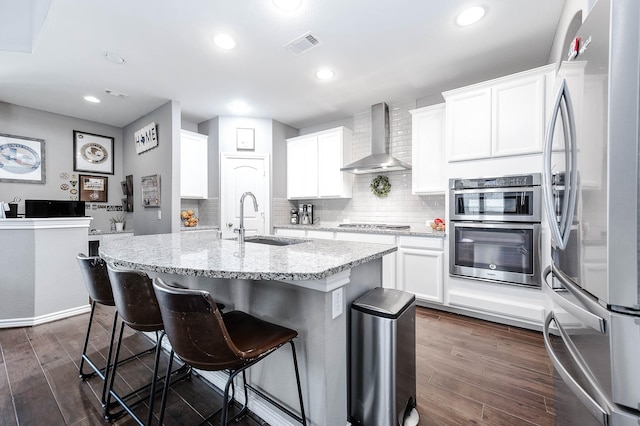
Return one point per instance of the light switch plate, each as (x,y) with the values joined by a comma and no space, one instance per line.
(337,301)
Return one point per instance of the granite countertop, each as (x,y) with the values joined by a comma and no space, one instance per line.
(202,254)
(101,232)
(417,231)
(199,228)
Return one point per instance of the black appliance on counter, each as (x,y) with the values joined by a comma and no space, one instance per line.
(53,208)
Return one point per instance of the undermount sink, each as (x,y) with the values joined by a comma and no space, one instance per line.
(272,242)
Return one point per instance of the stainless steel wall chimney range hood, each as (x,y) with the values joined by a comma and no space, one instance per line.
(379,160)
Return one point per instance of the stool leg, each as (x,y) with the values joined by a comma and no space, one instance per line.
(154,380)
(295,365)
(225,401)
(109,359)
(86,342)
(113,373)
(165,390)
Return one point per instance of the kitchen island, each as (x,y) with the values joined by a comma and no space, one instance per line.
(307,285)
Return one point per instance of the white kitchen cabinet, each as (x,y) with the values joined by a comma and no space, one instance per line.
(518,107)
(468,124)
(497,118)
(388,261)
(417,266)
(193,165)
(293,233)
(302,167)
(428,150)
(420,268)
(314,162)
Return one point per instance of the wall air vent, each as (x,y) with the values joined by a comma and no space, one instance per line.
(302,44)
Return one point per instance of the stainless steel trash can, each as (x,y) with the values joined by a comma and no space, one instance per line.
(382,386)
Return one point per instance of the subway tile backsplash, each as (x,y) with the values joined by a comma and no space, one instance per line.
(205,210)
(400,206)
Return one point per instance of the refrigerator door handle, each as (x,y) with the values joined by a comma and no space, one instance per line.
(592,405)
(571,160)
(560,232)
(547,183)
(587,317)
(594,315)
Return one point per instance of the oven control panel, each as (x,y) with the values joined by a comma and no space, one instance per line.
(497,182)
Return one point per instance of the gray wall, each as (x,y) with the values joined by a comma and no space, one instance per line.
(210,128)
(279,160)
(163,160)
(57,132)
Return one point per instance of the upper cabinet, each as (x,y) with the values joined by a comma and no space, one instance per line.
(428,150)
(314,162)
(193,165)
(497,118)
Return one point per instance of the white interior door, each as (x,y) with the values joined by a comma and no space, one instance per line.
(242,173)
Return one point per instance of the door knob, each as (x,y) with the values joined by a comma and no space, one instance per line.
(230,225)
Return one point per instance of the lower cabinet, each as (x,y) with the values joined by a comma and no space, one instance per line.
(417,266)
(420,267)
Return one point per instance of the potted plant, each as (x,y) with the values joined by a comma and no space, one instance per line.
(118,222)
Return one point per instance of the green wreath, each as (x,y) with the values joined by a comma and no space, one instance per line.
(380,186)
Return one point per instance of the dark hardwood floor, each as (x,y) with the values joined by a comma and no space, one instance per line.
(468,372)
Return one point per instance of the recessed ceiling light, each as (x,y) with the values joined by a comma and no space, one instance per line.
(224,41)
(239,107)
(114,58)
(287,5)
(325,74)
(92,99)
(470,16)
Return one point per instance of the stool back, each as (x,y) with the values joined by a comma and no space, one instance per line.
(195,328)
(96,279)
(134,299)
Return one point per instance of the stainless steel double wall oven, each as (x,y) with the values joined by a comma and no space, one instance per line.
(495,229)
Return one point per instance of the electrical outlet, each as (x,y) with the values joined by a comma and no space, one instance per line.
(159,214)
(336,303)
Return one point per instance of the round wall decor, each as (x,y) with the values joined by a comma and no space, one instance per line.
(380,186)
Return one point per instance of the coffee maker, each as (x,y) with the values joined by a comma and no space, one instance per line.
(305,214)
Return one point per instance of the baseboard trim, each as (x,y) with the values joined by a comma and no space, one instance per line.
(43,319)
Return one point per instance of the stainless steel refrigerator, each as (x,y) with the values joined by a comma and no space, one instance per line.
(590,182)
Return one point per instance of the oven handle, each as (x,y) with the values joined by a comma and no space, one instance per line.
(594,408)
(594,315)
(496,225)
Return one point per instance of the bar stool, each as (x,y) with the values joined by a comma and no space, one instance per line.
(206,339)
(96,280)
(137,306)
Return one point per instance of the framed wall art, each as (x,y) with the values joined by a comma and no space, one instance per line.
(146,138)
(93,188)
(22,159)
(245,139)
(151,191)
(92,153)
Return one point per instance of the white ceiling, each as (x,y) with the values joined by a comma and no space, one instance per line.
(380,50)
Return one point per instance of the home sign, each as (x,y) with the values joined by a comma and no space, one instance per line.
(146,138)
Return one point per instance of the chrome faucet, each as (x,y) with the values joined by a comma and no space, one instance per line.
(240,230)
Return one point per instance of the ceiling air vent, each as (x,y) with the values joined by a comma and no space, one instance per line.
(114,93)
(302,44)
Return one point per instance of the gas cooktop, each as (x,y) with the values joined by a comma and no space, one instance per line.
(373,226)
